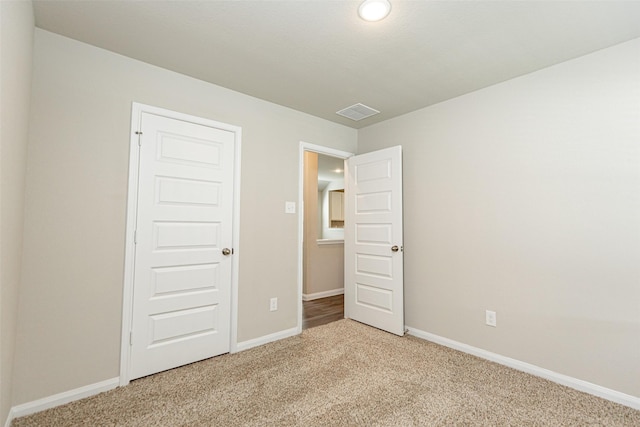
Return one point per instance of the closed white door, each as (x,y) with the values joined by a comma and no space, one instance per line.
(182,277)
(373,249)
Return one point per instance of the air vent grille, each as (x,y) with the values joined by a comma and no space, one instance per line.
(357,112)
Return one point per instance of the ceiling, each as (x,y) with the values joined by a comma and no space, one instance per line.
(318,57)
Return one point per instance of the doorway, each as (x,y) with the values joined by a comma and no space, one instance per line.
(321,227)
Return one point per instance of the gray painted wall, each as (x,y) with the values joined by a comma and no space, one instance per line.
(521,198)
(524,198)
(16,50)
(71,303)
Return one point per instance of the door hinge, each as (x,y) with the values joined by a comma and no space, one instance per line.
(135,237)
(139,133)
(131,338)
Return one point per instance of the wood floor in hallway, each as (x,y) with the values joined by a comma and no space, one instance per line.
(322,311)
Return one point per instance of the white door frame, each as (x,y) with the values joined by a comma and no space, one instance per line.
(305,146)
(132,201)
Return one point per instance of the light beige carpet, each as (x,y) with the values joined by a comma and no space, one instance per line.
(341,374)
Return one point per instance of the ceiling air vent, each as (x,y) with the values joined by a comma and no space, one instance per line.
(357,112)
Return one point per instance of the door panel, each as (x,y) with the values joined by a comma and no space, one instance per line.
(374,283)
(182,282)
(374,297)
(174,191)
(184,279)
(179,324)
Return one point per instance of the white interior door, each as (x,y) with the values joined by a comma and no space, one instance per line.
(182,277)
(373,240)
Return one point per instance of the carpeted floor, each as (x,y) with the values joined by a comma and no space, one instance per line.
(341,374)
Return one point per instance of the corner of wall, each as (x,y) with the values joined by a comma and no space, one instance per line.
(17,26)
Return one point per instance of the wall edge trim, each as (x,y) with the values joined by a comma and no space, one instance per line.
(266,339)
(10,417)
(323,294)
(574,383)
(61,398)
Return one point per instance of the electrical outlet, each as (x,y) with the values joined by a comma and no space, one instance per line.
(490,318)
(273,304)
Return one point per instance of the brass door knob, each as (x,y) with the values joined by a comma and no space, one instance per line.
(395,248)
(226,251)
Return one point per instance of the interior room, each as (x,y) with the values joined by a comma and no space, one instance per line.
(518,125)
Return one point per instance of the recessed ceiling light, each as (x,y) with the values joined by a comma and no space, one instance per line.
(374,10)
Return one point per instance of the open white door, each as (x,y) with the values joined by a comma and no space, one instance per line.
(373,281)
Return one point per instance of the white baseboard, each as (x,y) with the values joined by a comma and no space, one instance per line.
(324,294)
(246,345)
(10,418)
(575,383)
(61,398)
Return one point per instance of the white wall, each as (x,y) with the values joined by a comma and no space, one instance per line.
(524,198)
(16,52)
(70,308)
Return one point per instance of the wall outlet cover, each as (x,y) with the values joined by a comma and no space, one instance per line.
(490,318)
(290,207)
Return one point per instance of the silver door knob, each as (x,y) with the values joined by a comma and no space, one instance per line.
(395,248)
(226,251)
